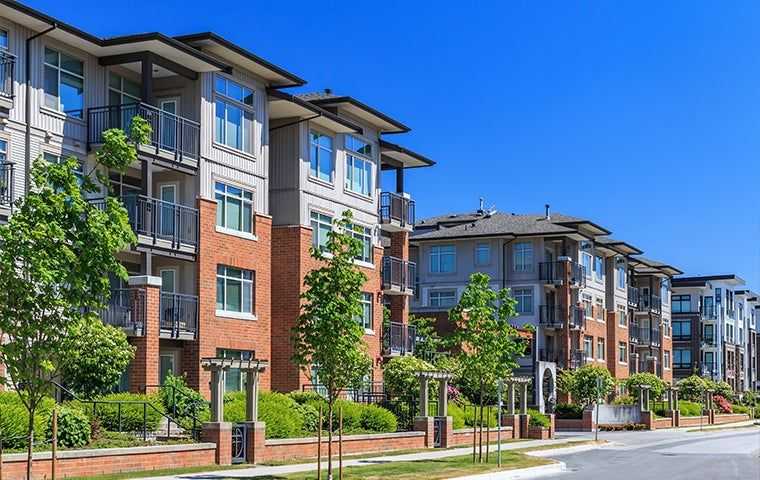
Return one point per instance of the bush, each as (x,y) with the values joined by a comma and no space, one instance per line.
(582,383)
(538,419)
(740,409)
(722,389)
(400,376)
(568,411)
(14,419)
(107,414)
(655,383)
(689,409)
(457,415)
(304,397)
(352,416)
(692,388)
(73,428)
(310,417)
(723,404)
(188,403)
(472,416)
(279,411)
(624,400)
(377,419)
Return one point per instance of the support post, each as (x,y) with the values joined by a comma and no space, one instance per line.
(511,398)
(443,386)
(524,400)
(252,396)
(423,397)
(217,395)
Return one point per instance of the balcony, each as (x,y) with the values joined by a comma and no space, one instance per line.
(396,212)
(552,316)
(398,276)
(174,140)
(650,303)
(560,272)
(709,342)
(399,339)
(578,359)
(634,332)
(126,310)
(7,89)
(577,318)
(555,356)
(709,313)
(650,336)
(633,297)
(179,316)
(6,184)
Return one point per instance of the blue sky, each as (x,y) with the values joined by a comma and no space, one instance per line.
(643,116)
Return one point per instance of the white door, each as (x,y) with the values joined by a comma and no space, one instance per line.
(168,208)
(169,124)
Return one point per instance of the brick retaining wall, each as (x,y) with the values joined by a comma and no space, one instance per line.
(730,418)
(287,448)
(693,421)
(572,425)
(463,436)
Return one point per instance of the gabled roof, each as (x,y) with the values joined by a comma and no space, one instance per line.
(383,122)
(496,225)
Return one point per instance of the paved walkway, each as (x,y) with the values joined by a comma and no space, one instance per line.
(261,471)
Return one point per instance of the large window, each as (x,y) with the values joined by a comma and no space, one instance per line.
(121,90)
(482,254)
(364,235)
(234,290)
(522,257)
(524,297)
(4,39)
(708,334)
(622,313)
(321,164)
(599,309)
(588,347)
(321,225)
(681,358)
(358,166)
(586,262)
(681,329)
(443,298)
(681,304)
(588,307)
(666,359)
(622,352)
(598,267)
(665,291)
(442,258)
(234,114)
(64,83)
(365,320)
(621,276)
(600,349)
(234,208)
(234,378)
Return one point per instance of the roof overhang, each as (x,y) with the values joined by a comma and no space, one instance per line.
(418,240)
(283,105)
(729,279)
(395,156)
(645,266)
(621,247)
(223,48)
(383,122)
(592,227)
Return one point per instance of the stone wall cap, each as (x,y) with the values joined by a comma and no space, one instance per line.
(107,452)
(346,438)
(144,281)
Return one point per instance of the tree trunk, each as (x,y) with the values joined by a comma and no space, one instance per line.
(329,439)
(30,446)
(480,451)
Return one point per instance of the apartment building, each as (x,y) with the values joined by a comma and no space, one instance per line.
(571,281)
(746,310)
(201,197)
(320,169)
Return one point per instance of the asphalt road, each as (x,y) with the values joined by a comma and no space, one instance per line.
(668,455)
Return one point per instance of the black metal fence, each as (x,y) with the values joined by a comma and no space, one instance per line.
(6,183)
(396,208)
(399,338)
(398,274)
(179,315)
(126,310)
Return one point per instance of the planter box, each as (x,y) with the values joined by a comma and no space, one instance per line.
(539,433)
(730,418)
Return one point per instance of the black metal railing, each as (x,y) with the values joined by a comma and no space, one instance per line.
(158,219)
(633,296)
(650,335)
(6,183)
(709,341)
(578,358)
(396,208)
(577,317)
(551,316)
(7,68)
(634,332)
(560,272)
(399,338)
(650,303)
(170,133)
(398,274)
(556,356)
(126,310)
(179,315)
(709,313)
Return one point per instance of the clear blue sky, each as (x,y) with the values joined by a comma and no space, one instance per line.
(643,116)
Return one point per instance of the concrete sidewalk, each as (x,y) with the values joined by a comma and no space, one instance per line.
(261,471)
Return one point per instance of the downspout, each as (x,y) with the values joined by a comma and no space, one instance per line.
(28,107)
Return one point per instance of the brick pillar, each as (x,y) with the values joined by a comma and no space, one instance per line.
(219,433)
(647,418)
(524,426)
(587,422)
(256,442)
(146,300)
(676,418)
(512,421)
(447,435)
(425,424)
(400,303)
(552,425)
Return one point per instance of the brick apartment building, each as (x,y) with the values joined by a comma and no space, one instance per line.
(224,199)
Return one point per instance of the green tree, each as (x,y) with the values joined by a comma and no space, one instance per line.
(692,388)
(486,344)
(400,377)
(655,383)
(588,383)
(56,254)
(327,335)
(96,356)
(428,342)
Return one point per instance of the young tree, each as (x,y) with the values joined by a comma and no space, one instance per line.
(486,344)
(588,383)
(428,342)
(56,253)
(327,334)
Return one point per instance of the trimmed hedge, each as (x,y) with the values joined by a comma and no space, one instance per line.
(14,419)
(568,411)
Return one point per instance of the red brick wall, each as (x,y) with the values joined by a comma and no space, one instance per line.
(615,335)
(667,345)
(730,418)
(220,332)
(693,421)
(290,263)
(74,464)
(307,447)
(597,330)
(144,367)
(464,436)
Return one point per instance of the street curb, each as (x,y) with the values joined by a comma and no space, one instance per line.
(565,451)
(520,473)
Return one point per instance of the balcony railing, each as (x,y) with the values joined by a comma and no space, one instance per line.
(650,335)
(556,273)
(396,209)
(162,220)
(398,275)
(633,296)
(399,338)
(634,332)
(709,313)
(556,356)
(650,303)
(551,316)
(6,183)
(175,135)
(126,310)
(578,358)
(577,317)
(179,315)
(709,342)
(7,68)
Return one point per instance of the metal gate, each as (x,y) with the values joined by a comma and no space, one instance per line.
(239,442)
(439,424)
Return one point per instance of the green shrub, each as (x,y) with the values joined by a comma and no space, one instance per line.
(400,376)
(457,415)
(132,413)
(14,420)
(624,400)
(692,388)
(472,416)
(689,409)
(740,409)
(352,416)
(279,411)
(310,417)
(304,397)
(582,383)
(655,383)
(538,419)
(377,419)
(183,403)
(568,411)
(73,427)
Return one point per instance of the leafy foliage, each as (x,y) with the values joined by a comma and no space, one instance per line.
(624,400)
(723,405)
(73,428)
(428,342)
(107,415)
(568,411)
(583,386)
(14,420)
(721,388)
(656,384)
(692,388)
(538,419)
(183,403)
(400,376)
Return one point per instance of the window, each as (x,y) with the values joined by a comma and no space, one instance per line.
(523,257)
(709,334)
(587,306)
(122,91)
(665,291)
(623,352)
(710,360)
(666,359)
(52,158)
(524,297)
(598,267)
(681,304)
(681,358)
(681,329)
(442,258)
(234,114)
(321,156)
(588,347)
(4,39)
(234,208)
(622,314)
(365,320)
(234,378)
(443,298)
(586,261)
(600,349)
(234,290)
(64,83)
(321,225)
(364,235)
(621,276)
(482,254)
(599,309)
(359,166)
